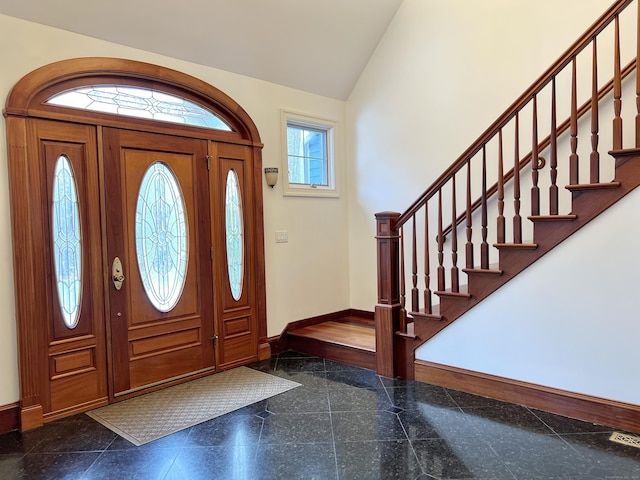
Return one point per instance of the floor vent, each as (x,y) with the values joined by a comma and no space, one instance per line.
(625,439)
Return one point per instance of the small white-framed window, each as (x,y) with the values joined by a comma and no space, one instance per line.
(308,149)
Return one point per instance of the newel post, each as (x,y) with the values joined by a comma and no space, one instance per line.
(387,311)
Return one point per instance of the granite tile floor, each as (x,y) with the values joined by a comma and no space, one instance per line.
(342,423)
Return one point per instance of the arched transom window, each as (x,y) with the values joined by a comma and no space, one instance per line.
(140,103)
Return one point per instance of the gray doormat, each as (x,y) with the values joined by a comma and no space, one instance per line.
(155,415)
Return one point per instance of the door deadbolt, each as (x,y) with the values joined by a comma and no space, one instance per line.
(117,274)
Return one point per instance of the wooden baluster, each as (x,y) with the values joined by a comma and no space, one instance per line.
(517,220)
(484,246)
(441,284)
(535,190)
(455,286)
(638,79)
(501,223)
(427,267)
(574,177)
(553,154)
(594,163)
(617,90)
(415,302)
(469,245)
(403,312)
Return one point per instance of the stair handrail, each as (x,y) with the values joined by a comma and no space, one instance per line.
(562,127)
(564,60)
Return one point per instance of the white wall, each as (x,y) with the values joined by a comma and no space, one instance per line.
(442,74)
(307,276)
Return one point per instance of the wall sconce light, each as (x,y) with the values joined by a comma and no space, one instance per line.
(271,176)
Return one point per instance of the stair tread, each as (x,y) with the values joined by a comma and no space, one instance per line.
(434,315)
(552,218)
(517,246)
(482,271)
(410,333)
(449,294)
(592,186)
(348,334)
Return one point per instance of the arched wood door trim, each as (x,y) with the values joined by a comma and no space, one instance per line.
(25,102)
(27,96)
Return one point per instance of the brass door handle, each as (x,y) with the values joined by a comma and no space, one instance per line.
(116,273)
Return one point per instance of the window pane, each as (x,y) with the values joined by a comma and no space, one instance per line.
(67,245)
(161,237)
(140,103)
(307,155)
(234,235)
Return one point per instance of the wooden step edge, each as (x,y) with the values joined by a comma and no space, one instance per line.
(453,295)
(553,218)
(430,316)
(585,187)
(625,152)
(516,246)
(410,333)
(489,272)
(407,335)
(435,310)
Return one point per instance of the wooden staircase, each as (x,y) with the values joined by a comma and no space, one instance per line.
(548,231)
(422,266)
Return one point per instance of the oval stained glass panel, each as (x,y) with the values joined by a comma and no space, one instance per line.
(67,241)
(161,237)
(234,232)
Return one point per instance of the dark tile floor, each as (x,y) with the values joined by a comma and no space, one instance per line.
(342,423)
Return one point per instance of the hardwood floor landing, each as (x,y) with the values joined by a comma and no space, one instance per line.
(340,332)
(349,339)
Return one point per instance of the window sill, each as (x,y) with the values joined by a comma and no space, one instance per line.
(310,192)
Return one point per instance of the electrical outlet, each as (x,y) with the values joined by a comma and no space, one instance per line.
(282,236)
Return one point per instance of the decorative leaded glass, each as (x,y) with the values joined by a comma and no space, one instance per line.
(67,244)
(140,103)
(234,234)
(161,237)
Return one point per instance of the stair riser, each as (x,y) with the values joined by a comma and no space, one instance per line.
(338,353)
(483,286)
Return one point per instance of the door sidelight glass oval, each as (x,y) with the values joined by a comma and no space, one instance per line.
(67,241)
(161,236)
(234,235)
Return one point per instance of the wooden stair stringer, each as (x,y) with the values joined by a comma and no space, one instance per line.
(587,204)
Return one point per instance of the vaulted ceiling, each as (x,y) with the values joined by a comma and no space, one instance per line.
(319,46)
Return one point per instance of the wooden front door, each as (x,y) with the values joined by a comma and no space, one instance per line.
(159,255)
(173,191)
